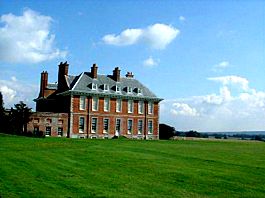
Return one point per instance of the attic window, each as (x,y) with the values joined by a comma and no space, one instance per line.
(129,90)
(106,87)
(94,86)
(118,89)
(139,91)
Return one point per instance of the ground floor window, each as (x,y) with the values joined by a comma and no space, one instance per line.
(118,127)
(94,124)
(48,131)
(150,126)
(140,127)
(81,124)
(130,126)
(60,131)
(106,125)
(36,130)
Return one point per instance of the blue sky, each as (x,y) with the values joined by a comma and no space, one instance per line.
(205,58)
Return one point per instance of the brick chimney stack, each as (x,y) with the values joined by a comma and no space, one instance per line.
(117,74)
(129,75)
(94,71)
(63,70)
(43,83)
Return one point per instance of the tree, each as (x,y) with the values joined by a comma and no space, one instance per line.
(20,117)
(166,131)
(192,134)
(2,114)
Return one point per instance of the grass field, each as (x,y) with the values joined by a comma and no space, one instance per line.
(54,167)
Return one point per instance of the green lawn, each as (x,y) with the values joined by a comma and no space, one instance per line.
(59,167)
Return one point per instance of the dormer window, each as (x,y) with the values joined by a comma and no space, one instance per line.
(129,90)
(139,91)
(106,87)
(94,86)
(118,89)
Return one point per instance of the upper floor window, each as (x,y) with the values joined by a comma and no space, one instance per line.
(49,121)
(130,126)
(150,108)
(129,89)
(118,105)
(94,86)
(106,87)
(130,106)
(106,104)
(82,103)
(140,107)
(94,104)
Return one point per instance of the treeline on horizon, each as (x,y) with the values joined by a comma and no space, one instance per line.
(169,132)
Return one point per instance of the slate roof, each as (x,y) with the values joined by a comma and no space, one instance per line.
(82,85)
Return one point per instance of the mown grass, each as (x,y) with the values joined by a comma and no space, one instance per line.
(58,167)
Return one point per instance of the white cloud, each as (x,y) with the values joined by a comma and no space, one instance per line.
(227,110)
(182,18)
(27,38)
(232,80)
(14,91)
(221,66)
(150,62)
(157,36)
(183,109)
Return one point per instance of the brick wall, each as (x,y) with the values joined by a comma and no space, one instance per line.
(42,120)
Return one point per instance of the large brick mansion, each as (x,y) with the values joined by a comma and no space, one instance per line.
(95,106)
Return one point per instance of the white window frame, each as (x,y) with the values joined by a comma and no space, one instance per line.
(118,89)
(60,135)
(94,86)
(120,103)
(81,130)
(82,103)
(106,106)
(129,130)
(105,131)
(95,99)
(150,107)
(140,132)
(152,127)
(106,87)
(130,106)
(92,130)
(140,104)
(139,91)
(46,131)
(129,90)
(118,132)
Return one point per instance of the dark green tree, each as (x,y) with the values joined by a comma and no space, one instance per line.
(19,117)
(166,131)
(2,114)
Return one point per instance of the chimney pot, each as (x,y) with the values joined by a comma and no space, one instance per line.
(129,75)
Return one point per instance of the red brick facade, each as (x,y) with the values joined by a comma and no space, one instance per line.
(112,116)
